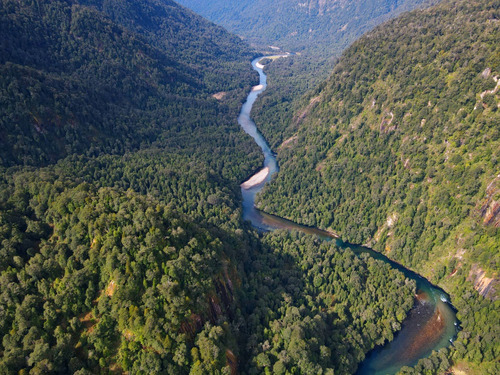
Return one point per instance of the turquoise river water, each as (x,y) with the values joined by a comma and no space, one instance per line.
(430,325)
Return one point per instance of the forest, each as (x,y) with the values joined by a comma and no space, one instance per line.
(75,82)
(320,308)
(98,279)
(122,243)
(399,150)
(320,28)
(315,32)
(121,239)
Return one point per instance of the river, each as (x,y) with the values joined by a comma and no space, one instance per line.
(430,325)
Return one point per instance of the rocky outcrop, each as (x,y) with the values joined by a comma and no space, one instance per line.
(490,207)
(391,221)
(486,286)
(298,119)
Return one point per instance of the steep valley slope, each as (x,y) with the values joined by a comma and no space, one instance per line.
(301,26)
(122,247)
(399,149)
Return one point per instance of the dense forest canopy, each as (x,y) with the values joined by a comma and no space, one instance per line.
(121,240)
(74,81)
(91,278)
(302,26)
(122,246)
(399,148)
(135,286)
(316,310)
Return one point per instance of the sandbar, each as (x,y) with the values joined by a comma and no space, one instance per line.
(256,179)
(257,88)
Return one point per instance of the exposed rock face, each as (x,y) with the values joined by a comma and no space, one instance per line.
(319,7)
(489,215)
(220,303)
(391,221)
(486,286)
(492,215)
(490,208)
(298,119)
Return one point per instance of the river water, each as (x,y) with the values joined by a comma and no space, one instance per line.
(430,325)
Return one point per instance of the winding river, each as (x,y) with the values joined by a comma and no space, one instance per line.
(430,325)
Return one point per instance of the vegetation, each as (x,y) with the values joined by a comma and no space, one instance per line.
(73,81)
(309,26)
(121,241)
(97,278)
(122,247)
(289,79)
(133,285)
(399,148)
(314,308)
(118,259)
(317,30)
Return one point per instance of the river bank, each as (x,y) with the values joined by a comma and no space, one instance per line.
(256,179)
(429,326)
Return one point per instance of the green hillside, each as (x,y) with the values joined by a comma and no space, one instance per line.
(319,308)
(122,248)
(100,280)
(399,149)
(74,81)
(317,30)
(116,256)
(300,26)
(214,56)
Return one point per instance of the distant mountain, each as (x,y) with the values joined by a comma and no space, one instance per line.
(400,149)
(182,35)
(318,30)
(301,25)
(110,76)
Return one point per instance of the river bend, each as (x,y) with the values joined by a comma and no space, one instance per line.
(430,325)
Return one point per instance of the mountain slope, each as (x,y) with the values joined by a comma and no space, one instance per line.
(122,247)
(104,280)
(119,172)
(318,30)
(213,54)
(301,25)
(74,81)
(400,147)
